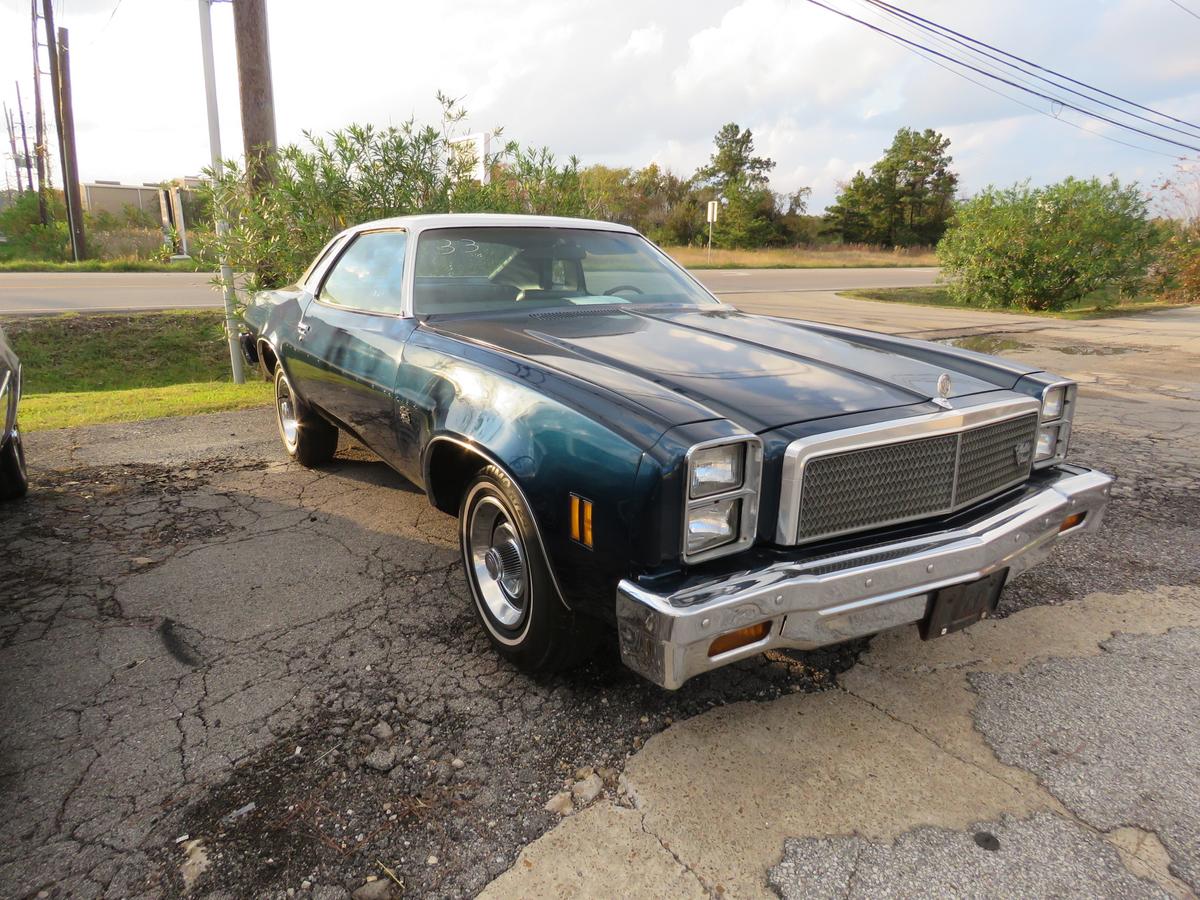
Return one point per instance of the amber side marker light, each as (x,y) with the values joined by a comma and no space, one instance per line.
(743,637)
(581,521)
(1071,521)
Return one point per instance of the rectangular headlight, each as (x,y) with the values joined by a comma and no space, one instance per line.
(716,470)
(1054,401)
(713,524)
(1047,443)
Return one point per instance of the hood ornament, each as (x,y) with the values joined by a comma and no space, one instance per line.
(944,386)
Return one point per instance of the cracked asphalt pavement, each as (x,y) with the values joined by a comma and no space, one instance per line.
(222,674)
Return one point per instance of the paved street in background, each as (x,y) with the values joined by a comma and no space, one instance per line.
(50,292)
(223,671)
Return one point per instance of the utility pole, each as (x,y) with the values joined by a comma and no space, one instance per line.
(12,142)
(24,138)
(66,148)
(39,123)
(214,149)
(66,118)
(254,85)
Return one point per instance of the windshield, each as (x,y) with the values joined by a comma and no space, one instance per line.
(483,269)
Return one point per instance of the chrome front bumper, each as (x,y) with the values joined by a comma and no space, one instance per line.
(825,599)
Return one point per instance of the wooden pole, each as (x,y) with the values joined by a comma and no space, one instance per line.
(24,139)
(70,161)
(56,97)
(254,85)
(12,143)
(39,122)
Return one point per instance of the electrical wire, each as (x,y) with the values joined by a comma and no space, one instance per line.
(1036,109)
(1008,81)
(902,16)
(959,38)
(1190,12)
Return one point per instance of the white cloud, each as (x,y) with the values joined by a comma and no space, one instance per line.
(623,83)
(642,42)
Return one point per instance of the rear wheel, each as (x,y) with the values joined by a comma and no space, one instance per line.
(14,482)
(509,577)
(308,438)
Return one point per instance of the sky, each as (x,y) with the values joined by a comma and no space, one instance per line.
(623,82)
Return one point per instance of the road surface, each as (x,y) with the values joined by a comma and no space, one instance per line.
(53,292)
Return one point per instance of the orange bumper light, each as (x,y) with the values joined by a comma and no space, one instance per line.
(1071,521)
(751,634)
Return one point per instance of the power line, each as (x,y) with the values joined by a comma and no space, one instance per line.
(1030,106)
(903,16)
(1190,12)
(950,31)
(1008,81)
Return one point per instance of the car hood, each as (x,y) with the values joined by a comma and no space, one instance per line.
(691,364)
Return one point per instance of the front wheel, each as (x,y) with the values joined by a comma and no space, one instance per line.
(509,577)
(14,482)
(308,438)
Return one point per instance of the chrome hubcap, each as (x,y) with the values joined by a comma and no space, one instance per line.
(497,557)
(287,413)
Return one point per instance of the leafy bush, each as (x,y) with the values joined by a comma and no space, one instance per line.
(362,173)
(1177,273)
(1043,248)
(27,236)
(125,243)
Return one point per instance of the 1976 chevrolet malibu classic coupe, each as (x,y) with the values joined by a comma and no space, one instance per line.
(623,449)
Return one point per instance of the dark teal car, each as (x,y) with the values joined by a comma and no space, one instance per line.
(625,451)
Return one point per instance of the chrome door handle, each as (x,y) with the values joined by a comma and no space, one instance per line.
(302,329)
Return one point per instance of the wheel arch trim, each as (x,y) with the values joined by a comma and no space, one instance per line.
(474,448)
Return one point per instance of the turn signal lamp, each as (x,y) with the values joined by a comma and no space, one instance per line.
(743,637)
(1071,521)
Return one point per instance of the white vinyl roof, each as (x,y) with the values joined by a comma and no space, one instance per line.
(487,220)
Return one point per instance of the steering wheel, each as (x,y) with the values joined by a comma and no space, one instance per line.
(623,287)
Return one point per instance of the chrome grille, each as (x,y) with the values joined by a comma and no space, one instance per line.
(990,459)
(897,482)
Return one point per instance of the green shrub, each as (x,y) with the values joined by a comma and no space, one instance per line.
(27,237)
(362,173)
(1043,248)
(1177,273)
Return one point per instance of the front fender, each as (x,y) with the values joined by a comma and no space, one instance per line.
(510,414)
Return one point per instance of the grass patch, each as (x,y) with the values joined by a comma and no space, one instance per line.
(85,369)
(104,265)
(1098,305)
(833,257)
(119,351)
(65,410)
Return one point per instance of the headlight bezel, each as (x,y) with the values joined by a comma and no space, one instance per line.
(745,497)
(1060,423)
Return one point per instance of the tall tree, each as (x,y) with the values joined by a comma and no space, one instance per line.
(733,160)
(907,199)
(738,178)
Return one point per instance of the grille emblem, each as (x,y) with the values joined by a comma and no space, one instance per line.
(1023,452)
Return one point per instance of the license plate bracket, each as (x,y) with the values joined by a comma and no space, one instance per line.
(958,606)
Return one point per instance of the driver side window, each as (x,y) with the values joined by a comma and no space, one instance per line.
(369,276)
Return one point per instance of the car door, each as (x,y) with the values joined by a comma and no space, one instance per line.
(352,335)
